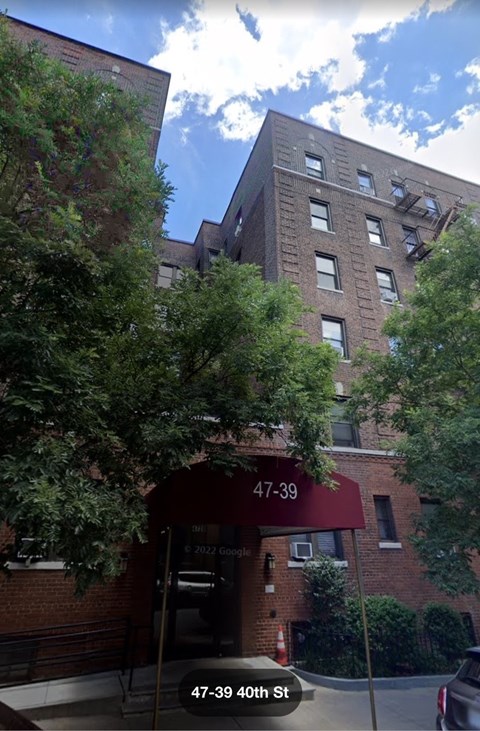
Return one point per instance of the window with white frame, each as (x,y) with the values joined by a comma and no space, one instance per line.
(309,545)
(315,167)
(375,231)
(386,284)
(410,238)
(167,274)
(333,332)
(327,272)
(365,183)
(320,215)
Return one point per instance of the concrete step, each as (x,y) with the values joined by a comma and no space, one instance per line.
(141,700)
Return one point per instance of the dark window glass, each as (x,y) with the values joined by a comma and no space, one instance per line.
(398,190)
(433,207)
(386,527)
(344,434)
(328,543)
(410,238)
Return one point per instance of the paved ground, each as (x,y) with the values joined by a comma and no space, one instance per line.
(397,710)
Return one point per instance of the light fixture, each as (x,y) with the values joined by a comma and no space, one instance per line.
(269,562)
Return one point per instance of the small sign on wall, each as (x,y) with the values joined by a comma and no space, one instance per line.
(269,588)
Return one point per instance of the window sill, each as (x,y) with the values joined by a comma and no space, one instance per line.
(36,566)
(379,246)
(390,544)
(322,231)
(300,564)
(327,289)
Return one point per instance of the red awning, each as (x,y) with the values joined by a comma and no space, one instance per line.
(276,494)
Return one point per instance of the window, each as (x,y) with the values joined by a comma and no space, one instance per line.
(328,543)
(383,511)
(398,190)
(344,434)
(428,507)
(433,207)
(410,238)
(386,284)
(375,231)
(393,344)
(327,272)
(30,550)
(365,183)
(320,215)
(238,221)
(314,166)
(167,274)
(212,255)
(333,332)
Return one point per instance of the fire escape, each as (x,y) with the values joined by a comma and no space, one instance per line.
(411,198)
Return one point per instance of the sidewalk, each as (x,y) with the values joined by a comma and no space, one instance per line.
(95,702)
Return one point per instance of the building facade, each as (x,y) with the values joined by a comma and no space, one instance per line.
(346,223)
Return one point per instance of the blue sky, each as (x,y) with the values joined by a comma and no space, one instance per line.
(402,76)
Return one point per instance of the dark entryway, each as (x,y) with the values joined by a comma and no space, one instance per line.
(202,617)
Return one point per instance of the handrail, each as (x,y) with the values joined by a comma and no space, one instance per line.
(40,648)
(64,626)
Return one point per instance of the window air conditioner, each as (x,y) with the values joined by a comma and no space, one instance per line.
(302,550)
(388,296)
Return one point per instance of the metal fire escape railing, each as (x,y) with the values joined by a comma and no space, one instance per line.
(433,223)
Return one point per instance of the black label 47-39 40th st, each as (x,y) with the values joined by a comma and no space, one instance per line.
(231,692)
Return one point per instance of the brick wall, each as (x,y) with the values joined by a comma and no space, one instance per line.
(128,75)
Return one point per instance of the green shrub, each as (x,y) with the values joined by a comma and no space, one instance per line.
(392,634)
(326,588)
(445,630)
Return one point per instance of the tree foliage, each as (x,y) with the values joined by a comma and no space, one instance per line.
(107,384)
(428,390)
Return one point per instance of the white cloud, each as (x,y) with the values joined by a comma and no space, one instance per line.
(472,69)
(430,87)
(433,129)
(240,122)
(387,129)
(439,6)
(108,23)
(215,60)
(219,69)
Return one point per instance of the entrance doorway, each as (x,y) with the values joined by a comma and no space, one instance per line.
(202,617)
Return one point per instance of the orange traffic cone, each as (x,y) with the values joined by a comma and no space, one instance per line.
(281,654)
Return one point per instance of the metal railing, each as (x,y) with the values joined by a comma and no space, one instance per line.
(60,650)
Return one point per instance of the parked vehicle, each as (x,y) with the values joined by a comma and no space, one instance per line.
(459,700)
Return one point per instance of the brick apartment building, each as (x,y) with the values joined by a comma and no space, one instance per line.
(346,222)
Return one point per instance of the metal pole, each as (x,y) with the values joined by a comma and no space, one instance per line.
(156,711)
(361,592)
